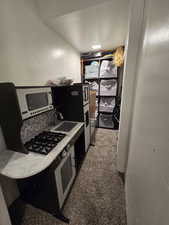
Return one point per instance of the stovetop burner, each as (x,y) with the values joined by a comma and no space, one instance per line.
(44,142)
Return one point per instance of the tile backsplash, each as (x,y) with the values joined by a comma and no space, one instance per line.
(37,124)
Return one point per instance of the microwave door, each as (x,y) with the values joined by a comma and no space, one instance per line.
(34,101)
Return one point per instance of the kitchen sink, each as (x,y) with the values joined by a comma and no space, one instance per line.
(66,126)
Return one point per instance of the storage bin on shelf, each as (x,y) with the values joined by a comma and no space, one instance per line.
(107,104)
(106,121)
(92,70)
(108,69)
(108,87)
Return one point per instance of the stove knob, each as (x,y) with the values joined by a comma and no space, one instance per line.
(64,153)
(44,151)
(59,158)
(68,147)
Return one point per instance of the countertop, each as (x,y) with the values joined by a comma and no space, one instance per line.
(19,165)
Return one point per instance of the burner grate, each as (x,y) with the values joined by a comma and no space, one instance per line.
(44,142)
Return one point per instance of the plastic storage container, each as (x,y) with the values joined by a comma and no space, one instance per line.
(106,121)
(92,70)
(108,87)
(108,69)
(107,104)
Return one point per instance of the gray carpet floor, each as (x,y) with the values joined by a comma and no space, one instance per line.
(97,197)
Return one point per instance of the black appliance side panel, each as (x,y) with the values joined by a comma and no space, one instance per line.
(40,190)
(10,117)
(69,101)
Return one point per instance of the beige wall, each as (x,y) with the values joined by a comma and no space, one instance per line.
(147,180)
(30,52)
(129,79)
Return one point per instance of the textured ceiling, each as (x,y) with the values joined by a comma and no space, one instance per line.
(104,24)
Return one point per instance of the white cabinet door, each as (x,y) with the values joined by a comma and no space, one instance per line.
(65,174)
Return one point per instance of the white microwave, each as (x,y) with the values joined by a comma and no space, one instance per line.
(34,100)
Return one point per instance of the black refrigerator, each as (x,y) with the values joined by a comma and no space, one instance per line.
(73,102)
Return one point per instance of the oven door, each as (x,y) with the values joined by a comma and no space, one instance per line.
(65,174)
